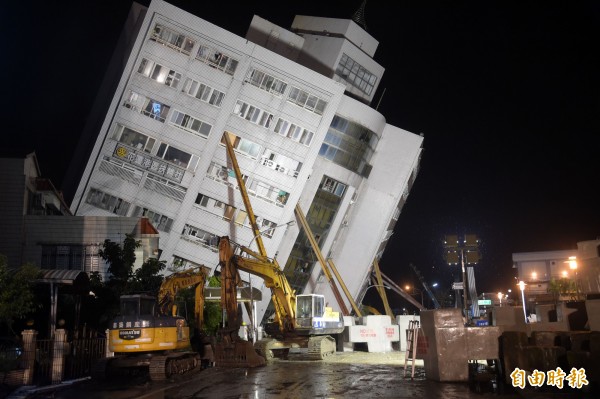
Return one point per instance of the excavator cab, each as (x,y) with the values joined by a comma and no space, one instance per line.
(314,317)
(137,305)
(309,306)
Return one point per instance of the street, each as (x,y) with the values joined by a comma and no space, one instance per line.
(344,375)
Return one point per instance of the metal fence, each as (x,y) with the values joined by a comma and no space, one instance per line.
(55,361)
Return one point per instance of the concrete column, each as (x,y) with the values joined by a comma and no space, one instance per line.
(29,346)
(58,355)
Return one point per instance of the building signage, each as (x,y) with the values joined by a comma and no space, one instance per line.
(458,286)
(145,161)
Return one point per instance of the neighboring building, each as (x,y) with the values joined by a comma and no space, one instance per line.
(538,269)
(38,227)
(588,266)
(295,105)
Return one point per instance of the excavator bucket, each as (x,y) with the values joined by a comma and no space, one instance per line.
(238,353)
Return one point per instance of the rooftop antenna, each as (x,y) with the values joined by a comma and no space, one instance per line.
(359,15)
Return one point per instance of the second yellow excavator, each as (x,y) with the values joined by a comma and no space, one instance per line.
(301,321)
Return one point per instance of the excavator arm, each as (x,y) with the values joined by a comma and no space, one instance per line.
(176,281)
(284,297)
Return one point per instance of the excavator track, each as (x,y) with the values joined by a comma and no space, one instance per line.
(319,347)
(164,366)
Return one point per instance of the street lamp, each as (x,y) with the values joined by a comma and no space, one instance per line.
(408,287)
(500,298)
(522,288)
(573,266)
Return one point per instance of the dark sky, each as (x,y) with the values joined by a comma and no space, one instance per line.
(506,94)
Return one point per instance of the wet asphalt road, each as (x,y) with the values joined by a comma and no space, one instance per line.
(343,376)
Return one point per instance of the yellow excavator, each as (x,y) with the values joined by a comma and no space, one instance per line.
(148,333)
(301,321)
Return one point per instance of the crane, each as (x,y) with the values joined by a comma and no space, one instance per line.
(436,304)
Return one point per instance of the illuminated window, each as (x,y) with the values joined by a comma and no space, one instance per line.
(159,73)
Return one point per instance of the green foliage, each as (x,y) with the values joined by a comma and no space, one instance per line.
(120,260)
(213,315)
(147,278)
(563,287)
(17,298)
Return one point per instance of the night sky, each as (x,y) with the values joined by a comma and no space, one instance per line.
(506,95)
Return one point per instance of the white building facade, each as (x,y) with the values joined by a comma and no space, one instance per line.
(302,135)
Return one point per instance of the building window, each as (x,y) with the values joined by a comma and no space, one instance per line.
(160,221)
(134,139)
(253,114)
(161,74)
(266,82)
(172,39)
(243,146)
(281,163)
(203,92)
(200,236)
(350,145)
(294,132)
(177,156)
(70,257)
(108,202)
(217,59)
(356,75)
(333,186)
(307,101)
(254,187)
(229,212)
(190,124)
(146,106)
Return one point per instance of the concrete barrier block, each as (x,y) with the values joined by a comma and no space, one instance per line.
(592,307)
(376,320)
(580,340)
(379,347)
(483,343)
(443,318)
(374,335)
(511,351)
(544,358)
(595,343)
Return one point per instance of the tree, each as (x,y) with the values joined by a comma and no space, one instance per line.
(213,314)
(17,297)
(148,278)
(120,261)
(563,287)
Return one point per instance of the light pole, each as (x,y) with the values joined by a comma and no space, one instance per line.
(290,223)
(522,288)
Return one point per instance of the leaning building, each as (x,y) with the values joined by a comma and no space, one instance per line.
(295,103)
